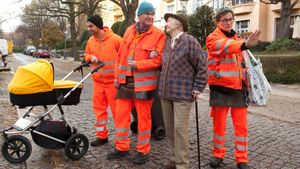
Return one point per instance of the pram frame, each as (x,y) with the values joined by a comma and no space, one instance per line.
(30,128)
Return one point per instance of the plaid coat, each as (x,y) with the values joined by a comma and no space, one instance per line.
(184,69)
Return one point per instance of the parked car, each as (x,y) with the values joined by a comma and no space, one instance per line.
(3,47)
(29,50)
(41,53)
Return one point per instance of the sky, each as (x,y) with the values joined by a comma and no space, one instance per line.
(10,11)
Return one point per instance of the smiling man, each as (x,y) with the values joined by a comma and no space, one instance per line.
(136,78)
(102,46)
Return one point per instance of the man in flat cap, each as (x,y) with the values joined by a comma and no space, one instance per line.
(137,76)
(102,46)
(183,77)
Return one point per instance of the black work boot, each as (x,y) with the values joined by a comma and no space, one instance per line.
(139,158)
(243,165)
(98,142)
(216,162)
(115,154)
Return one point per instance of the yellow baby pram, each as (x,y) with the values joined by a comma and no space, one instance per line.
(34,85)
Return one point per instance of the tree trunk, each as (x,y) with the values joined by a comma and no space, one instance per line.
(130,19)
(284,23)
(73,32)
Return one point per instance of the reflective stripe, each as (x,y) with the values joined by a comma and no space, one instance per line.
(108,70)
(211,62)
(120,138)
(241,147)
(122,76)
(129,59)
(226,74)
(228,60)
(145,74)
(101,122)
(220,138)
(122,130)
(145,83)
(218,146)
(146,141)
(241,139)
(109,63)
(214,73)
(122,67)
(226,46)
(100,128)
(218,47)
(144,133)
(223,74)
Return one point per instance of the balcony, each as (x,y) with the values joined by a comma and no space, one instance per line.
(277,7)
(243,8)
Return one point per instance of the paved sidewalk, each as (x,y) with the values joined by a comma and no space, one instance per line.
(274,133)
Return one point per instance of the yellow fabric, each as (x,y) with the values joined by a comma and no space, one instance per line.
(36,77)
(61,84)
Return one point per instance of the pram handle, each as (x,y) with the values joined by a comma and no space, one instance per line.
(101,64)
(81,66)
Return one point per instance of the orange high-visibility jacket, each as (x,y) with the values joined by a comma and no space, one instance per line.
(137,47)
(224,60)
(105,50)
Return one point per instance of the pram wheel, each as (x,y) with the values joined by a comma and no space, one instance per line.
(16,149)
(76,146)
(159,133)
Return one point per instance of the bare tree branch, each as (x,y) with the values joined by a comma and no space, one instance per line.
(294,3)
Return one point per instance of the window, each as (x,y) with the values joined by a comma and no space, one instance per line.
(196,4)
(293,20)
(237,2)
(170,9)
(217,4)
(242,26)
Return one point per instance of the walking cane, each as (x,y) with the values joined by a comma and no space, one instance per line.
(198,141)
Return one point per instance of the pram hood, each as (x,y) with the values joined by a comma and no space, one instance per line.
(36,77)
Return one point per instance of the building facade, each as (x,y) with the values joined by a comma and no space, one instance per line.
(253,14)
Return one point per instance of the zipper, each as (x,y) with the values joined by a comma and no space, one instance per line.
(239,69)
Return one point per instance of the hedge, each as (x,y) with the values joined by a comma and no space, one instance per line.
(282,69)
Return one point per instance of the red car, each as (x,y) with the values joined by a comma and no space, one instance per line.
(40,53)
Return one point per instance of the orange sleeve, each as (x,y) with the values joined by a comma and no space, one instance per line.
(88,54)
(153,63)
(217,46)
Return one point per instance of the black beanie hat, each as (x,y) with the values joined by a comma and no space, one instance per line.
(96,20)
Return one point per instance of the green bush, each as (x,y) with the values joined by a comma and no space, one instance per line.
(282,45)
(122,28)
(282,69)
(261,46)
(18,49)
(83,45)
(61,44)
(84,36)
(115,27)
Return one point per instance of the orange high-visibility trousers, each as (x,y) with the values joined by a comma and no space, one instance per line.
(239,119)
(122,123)
(104,94)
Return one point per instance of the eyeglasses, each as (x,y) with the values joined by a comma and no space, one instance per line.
(231,20)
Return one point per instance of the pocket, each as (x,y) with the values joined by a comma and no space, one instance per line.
(146,49)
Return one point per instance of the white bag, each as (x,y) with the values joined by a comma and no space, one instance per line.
(259,87)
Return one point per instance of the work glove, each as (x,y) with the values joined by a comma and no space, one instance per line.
(94,59)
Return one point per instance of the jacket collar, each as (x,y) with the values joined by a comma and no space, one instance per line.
(230,34)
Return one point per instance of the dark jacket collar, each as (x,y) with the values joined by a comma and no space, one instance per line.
(229,34)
